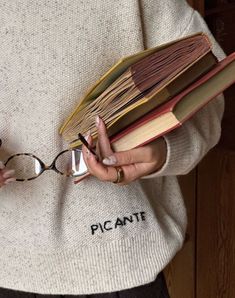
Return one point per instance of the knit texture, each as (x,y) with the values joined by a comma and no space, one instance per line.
(61,238)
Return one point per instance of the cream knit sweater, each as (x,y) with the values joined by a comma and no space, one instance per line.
(61,238)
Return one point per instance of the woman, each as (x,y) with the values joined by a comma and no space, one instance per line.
(97,237)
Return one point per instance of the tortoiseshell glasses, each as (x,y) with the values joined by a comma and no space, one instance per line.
(27,166)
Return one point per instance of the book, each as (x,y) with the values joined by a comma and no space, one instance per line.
(176,111)
(139,83)
(179,109)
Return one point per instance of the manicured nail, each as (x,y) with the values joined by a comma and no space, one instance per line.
(8,174)
(97,121)
(1,165)
(9,180)
(111,160)
(87,135)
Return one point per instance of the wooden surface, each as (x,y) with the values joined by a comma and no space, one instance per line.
(215,260)
(205,267)
(216,184)
(198,5)
(180,273)
(227,140)
(222,24)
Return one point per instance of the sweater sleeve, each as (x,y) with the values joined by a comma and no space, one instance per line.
(188,144)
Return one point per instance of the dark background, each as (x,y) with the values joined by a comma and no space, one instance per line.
(220,17)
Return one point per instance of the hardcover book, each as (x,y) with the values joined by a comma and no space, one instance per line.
(179,109)
(138,84)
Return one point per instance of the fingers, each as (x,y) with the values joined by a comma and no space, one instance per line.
(136,171)
(104,173)
(96,168)
(135,163)
(130,157)
(1,165)
(79,179)
(103,144)
(154,153)
(6,176)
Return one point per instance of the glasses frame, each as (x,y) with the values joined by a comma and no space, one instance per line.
(45,167)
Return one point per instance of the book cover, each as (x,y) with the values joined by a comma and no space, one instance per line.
(179,109)
(130,101)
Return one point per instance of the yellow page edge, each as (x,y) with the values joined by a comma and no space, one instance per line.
(115,69)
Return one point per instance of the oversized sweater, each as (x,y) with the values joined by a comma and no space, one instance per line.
(61,238)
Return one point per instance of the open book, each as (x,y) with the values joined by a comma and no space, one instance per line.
(137,84)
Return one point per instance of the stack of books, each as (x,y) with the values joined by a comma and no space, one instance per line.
(146,95)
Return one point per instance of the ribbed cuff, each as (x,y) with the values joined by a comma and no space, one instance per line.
(178,147)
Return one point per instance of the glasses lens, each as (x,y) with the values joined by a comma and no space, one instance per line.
(71,163)
(25,166)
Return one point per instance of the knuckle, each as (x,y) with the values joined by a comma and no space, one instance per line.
(128,159)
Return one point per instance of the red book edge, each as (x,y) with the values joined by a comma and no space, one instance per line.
(169,106)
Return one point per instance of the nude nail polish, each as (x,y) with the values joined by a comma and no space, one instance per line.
(8,174)
(2,166)
(87,135)
(9,180)
(111,160)
(97,121)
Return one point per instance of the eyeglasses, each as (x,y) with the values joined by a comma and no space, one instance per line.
(27,166)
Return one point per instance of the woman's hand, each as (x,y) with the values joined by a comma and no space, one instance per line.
(6,176)
(135,163)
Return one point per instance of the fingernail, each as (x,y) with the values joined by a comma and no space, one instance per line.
(9,180)
(8,174)
(97,121)
(1,165)
(111,160)
(87,135)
